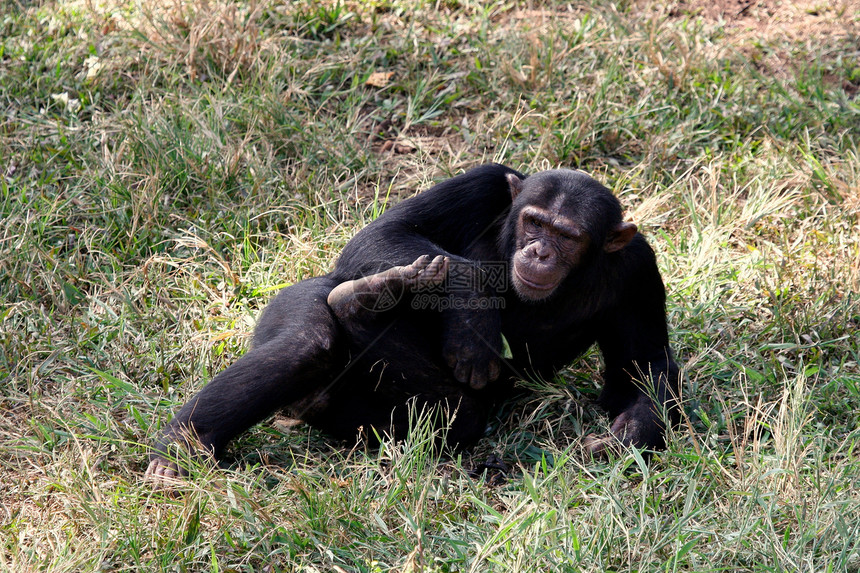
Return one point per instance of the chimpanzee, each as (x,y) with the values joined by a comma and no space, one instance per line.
(416,308)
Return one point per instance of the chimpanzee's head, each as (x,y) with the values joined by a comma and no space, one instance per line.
(560,221)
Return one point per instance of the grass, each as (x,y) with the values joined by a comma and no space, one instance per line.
(166,167)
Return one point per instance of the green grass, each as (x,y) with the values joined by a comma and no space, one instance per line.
(166,167)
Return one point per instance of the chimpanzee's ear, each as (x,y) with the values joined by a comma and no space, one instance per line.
(619,237)
(516,185)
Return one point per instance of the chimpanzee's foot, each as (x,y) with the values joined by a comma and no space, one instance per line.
(382,291)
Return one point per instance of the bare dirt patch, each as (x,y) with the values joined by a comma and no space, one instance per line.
(771,31)
(776,20)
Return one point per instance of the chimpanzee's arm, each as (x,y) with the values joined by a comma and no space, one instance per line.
(459,219)
(641,379)
(471,327)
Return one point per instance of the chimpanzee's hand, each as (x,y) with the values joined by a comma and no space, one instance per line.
(472,346)
(638,426)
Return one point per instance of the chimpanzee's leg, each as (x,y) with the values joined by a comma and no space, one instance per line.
(388,403)
(298,349)
(357,299)
(351,412)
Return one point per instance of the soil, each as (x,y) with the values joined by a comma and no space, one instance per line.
(770,30)
(776,35)
(768,20)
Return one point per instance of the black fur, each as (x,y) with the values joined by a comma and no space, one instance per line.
(342,372)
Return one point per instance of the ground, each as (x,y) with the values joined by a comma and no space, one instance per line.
(166,167)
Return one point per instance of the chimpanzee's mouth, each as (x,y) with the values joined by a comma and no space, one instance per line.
(534,285)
